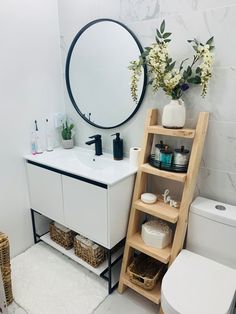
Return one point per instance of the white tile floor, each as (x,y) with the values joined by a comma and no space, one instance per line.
(127,303)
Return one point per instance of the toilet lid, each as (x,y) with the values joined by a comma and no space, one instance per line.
(195,284)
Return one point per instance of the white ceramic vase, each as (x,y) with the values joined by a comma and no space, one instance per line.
(174,114)
(67,144)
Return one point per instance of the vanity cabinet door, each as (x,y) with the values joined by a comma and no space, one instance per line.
(45,192)
(85,209)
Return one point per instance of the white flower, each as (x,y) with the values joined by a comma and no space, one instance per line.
(206,68)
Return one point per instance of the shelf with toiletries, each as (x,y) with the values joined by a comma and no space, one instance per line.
(170,159)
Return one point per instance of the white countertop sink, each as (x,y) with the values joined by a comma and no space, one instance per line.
(83,162)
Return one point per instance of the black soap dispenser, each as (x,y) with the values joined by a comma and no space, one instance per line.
(117,147)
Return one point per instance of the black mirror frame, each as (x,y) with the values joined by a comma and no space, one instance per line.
(67,70)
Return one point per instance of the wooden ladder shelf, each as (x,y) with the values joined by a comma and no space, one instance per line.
(160,209)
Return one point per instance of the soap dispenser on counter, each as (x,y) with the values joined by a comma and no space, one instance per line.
(117,147)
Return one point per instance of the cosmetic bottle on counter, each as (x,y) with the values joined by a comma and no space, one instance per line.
(48,137)
(33,143)
(117,147)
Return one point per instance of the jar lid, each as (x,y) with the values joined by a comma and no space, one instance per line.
(182,151)
(160,145)
(166,150)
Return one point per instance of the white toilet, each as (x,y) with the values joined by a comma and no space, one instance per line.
(202,279)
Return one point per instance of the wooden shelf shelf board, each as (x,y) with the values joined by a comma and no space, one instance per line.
(70,253)
(154,295)
(136,242)
(159,209)
(158,129)
(180,177)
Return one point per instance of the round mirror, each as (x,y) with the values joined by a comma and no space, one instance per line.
(97,75)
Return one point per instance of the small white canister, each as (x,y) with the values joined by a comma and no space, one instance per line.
(156,233)
(181,156)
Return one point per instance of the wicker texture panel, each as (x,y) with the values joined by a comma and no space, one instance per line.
(65,239)
(144,271)
(93,256)
(5,267)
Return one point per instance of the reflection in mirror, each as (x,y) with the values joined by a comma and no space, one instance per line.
(97,75)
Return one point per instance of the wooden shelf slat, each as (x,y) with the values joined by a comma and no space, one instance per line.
(159,209)
(136,242)
(180,177)
(154,295)
(158,129)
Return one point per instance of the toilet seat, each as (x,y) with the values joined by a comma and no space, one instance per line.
(197,285)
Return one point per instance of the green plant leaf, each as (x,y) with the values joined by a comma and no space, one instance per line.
(198,70)
(171,66)
(162,28)
(158,33)
(210,41)
(189,40)
(194,80)
(150,82)
(189,71)
(167,40)
(157,40)
(166,35)
(181,64)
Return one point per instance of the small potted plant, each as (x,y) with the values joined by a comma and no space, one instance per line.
(66,133)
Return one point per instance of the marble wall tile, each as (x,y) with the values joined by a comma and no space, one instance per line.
(220,146)
(188,6)
(139,10)
(218,185)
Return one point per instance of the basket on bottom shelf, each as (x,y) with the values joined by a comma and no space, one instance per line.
(145,271)
(62,235)
(89,251)
(5,267)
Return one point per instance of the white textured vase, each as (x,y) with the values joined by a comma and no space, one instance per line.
(174,114)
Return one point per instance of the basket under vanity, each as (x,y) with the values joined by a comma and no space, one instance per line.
(88,194)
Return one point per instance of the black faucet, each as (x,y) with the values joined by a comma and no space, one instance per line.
(97,140)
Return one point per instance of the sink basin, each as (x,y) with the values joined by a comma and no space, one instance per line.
(83,162)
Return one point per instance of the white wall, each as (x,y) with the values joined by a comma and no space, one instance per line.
(186,19)
(30,88)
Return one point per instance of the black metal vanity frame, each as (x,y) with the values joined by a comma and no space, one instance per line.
(107,273)
(67,72)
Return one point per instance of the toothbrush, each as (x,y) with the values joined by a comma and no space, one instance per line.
(38,144)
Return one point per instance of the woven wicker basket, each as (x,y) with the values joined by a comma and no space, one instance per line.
(65,239)
(92,254)
(5,267)
(144,271)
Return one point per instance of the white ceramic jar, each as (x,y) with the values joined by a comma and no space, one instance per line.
(174,114)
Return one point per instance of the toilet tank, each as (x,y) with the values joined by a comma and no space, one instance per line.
(212,231)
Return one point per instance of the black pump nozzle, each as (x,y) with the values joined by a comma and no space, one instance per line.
(117,135)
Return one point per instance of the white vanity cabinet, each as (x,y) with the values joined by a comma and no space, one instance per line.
(95,210)
(85,209)
(45,191)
